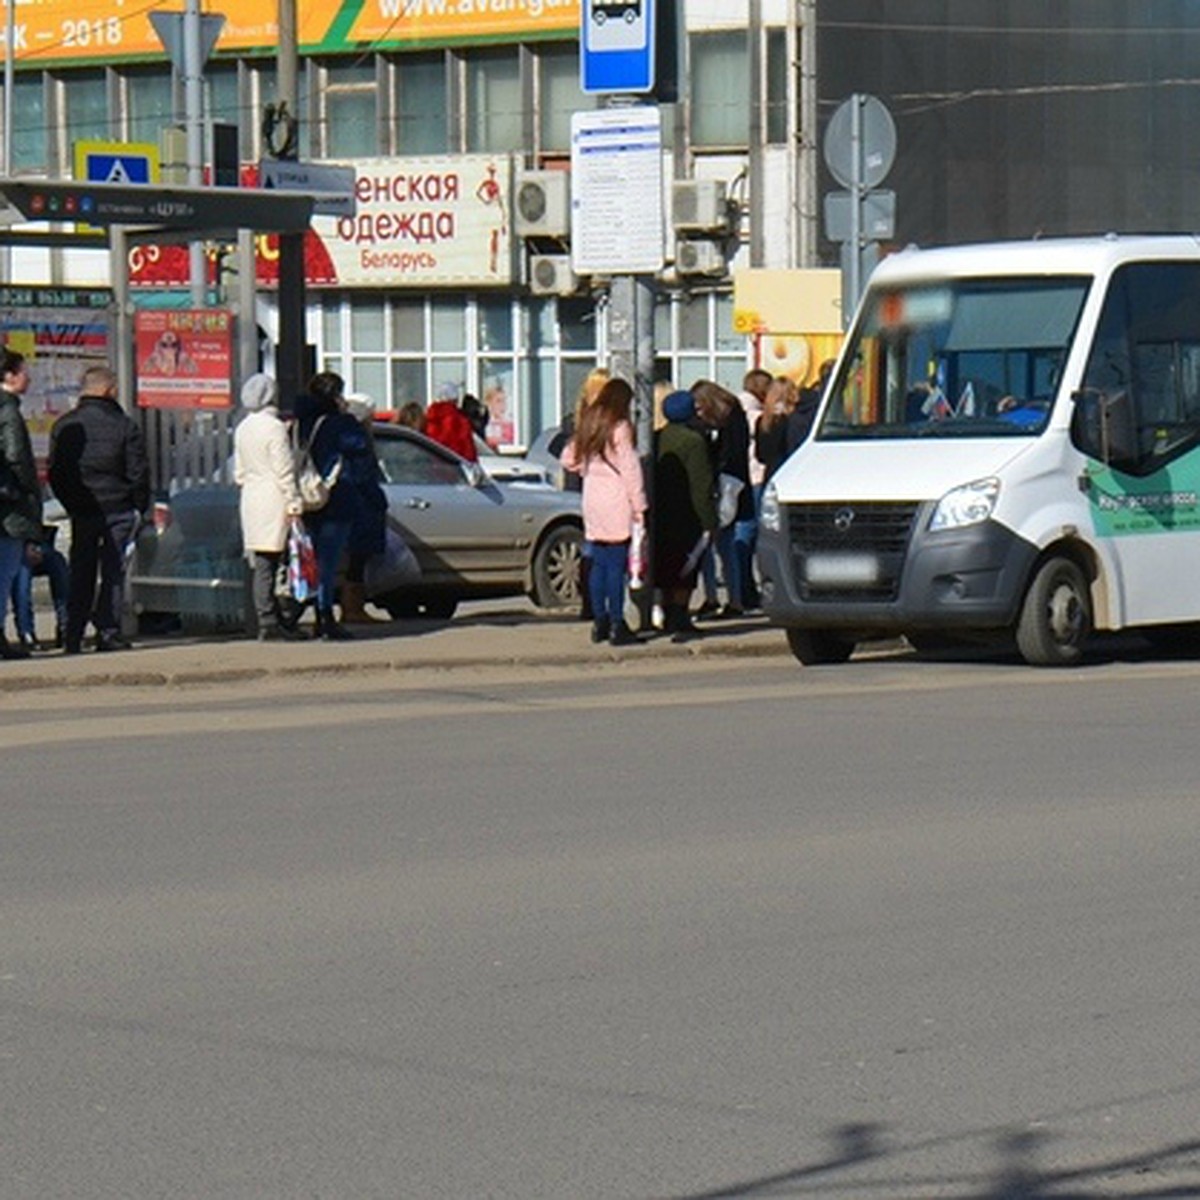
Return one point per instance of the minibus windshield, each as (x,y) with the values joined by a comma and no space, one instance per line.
(961,358)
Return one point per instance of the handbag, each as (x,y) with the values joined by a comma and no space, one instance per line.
(394,567)
(729,491)
(315,488)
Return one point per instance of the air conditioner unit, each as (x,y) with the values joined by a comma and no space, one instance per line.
(699,205)
(542,204)
(551,275)
(699,258)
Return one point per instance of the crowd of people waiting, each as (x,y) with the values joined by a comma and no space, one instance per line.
(713,453)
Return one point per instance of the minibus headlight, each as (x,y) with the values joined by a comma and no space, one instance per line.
(966,505)
(768,513)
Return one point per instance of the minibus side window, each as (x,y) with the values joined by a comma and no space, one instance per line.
(1144,367)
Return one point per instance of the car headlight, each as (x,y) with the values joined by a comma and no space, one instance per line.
(768,512)
(966,505)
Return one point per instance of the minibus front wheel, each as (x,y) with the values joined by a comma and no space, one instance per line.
(1056,617)
(819,647)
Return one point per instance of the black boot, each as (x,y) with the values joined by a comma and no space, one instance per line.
(12,649)
(585,592)
(328,629)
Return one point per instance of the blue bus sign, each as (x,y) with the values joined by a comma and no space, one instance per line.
(616,46)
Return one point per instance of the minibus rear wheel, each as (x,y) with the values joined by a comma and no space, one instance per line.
(819,647)
(1056,617)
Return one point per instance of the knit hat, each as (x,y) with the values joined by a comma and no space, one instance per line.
(259,391)
(679,407)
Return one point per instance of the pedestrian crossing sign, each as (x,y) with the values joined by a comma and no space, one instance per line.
(116,162)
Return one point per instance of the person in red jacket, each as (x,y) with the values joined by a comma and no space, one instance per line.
(447,424)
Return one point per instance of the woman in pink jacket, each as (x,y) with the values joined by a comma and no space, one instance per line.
(614,501)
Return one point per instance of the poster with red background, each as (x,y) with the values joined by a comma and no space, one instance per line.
(184,358)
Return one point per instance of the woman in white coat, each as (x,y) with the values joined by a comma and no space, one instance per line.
(264,470)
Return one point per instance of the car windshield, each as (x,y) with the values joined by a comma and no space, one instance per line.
(968,358)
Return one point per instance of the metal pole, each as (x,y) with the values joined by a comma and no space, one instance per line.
(806,136)
(290,360)
(856,197)
(10,33)
(757,171)
(193,94)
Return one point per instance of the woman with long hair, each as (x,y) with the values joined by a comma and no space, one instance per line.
(614,501)
(770,435)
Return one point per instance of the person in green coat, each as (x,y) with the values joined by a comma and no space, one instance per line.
(685,511)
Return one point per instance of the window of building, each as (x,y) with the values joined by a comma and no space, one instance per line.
(223,100)
(494,102)
(421,105)
(349,117)
(29,150)
(775,124)
(558,97)
(150,105)
(720,89)
(85,106)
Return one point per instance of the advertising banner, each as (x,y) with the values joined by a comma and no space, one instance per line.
(419,222)
(184,358)
(51,32)
(61,332)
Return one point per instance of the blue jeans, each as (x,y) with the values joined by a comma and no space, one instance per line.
(735,545)
(610,562)
(12,554)
(54,567)
(329,540)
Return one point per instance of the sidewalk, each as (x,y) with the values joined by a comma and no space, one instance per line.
(496,636)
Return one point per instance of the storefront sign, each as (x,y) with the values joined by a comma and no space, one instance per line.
(52,32)
(184,358)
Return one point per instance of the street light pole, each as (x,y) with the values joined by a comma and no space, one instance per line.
(193,96)
(290,361)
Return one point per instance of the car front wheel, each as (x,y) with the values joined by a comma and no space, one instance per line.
(434,608)
(819,647)
(556,568)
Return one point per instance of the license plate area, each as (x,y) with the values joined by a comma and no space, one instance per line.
(841,570)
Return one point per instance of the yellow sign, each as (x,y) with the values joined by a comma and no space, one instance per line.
(50,32)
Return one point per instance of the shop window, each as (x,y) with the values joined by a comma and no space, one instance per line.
(720,89)
(331,325)
(422,118)
(367,326)
(449,325)
(408,383)
(350,120)
(408,324)
(693,322)
(29,123)
(494,102)
(369,377)
(495,324)
(577,324)
(224,101)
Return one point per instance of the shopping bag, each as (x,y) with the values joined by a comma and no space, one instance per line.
(301,564)
(393,568)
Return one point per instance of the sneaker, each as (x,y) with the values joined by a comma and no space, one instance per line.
(12,650)
(709,608)
(732,612)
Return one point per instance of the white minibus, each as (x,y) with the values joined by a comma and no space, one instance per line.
(1008,447)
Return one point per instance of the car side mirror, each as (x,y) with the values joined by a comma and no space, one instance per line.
(1102,426)
(474,474)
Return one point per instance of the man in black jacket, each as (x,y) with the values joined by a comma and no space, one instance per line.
(99,472)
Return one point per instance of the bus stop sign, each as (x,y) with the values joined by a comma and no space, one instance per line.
(616,46)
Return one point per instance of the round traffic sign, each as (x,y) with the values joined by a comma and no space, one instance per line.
(877,146)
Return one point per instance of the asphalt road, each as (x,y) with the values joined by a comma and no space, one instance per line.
(681,929)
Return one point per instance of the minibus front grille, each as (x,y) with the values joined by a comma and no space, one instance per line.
(849,551)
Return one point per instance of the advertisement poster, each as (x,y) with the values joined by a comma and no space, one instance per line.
(53,32)
(184,358)
(423,221)
(420,222)
(61,332)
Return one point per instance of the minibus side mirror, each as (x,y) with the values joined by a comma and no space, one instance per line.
(1102,426)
